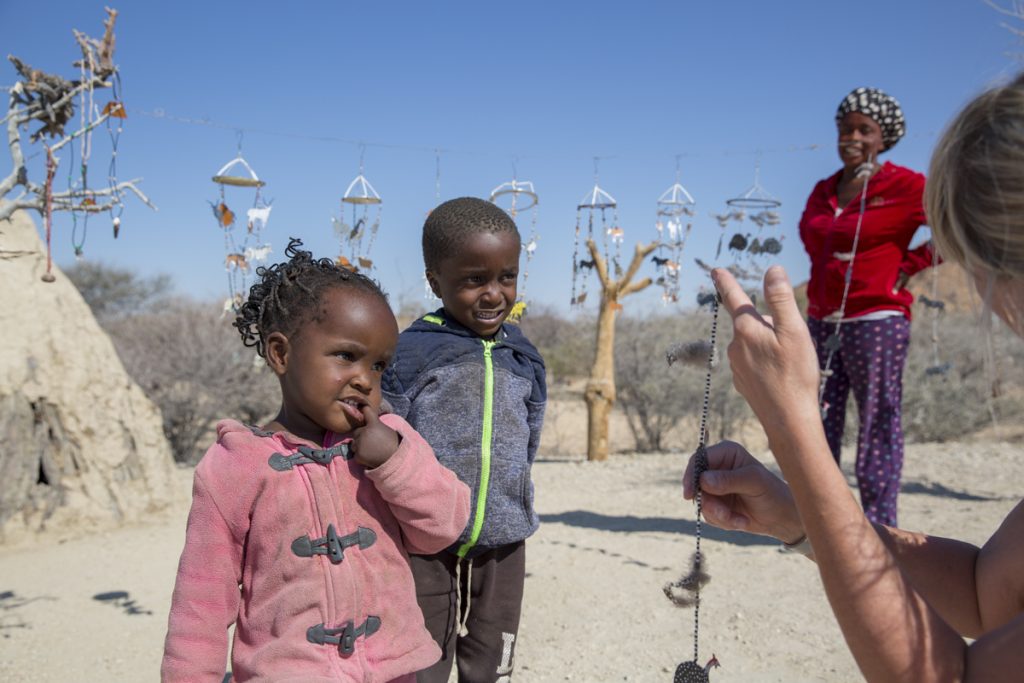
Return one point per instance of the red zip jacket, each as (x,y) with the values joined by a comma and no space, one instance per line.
(892,214)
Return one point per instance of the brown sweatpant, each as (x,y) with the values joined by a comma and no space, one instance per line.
(492,591)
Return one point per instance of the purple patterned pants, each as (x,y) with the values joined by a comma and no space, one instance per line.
(870,361)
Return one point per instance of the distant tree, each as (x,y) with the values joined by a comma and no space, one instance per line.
(113,292)
(567,345)
(600,391)
(409,310)
(961,390)
(656,398)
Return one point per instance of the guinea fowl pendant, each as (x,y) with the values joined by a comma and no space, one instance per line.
(692,672)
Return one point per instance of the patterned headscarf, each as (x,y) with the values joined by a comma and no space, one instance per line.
(883,108)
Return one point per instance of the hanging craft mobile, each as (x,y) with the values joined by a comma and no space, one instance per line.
(685,592)
(90,117)
(520,196)
(241,252)
(675,207)
(361,196)
(759,207)
(595,203)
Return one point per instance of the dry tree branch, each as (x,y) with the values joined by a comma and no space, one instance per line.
(638,258)
(50,99)
(65,201)
(599,264)
(1017,12)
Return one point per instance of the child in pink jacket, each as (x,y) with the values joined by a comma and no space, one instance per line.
(299,532)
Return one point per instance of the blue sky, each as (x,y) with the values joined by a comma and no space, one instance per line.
(535,88)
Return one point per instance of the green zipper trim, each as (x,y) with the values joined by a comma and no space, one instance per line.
(485,450)
(431,318)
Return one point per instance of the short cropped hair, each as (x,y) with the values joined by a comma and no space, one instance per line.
(451,223)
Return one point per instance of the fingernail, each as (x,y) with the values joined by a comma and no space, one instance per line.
(710,479)
(776,278)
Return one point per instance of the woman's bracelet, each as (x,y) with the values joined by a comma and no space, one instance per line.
(801,546)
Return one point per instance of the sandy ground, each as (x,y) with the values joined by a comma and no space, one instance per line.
(93,607)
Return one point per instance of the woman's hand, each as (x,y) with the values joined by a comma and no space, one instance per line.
(774,365)
(739,493)
(374,442)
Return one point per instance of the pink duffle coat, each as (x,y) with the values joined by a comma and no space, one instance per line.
(240,564)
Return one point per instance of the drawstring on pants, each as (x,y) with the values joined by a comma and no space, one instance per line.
(463,616)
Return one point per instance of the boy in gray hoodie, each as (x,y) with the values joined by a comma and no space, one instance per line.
(474,387)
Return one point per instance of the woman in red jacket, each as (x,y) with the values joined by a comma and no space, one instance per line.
(857,228)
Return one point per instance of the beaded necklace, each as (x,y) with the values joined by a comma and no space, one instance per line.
(690,584)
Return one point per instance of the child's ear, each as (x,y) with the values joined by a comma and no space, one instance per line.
(432,281)
(277,349)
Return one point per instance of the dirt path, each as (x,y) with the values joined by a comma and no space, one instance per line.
(94,608)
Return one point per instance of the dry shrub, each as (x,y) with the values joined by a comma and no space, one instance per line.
(657,397)
(943,407)
(114,292)
(185,355)
(191,362)
(567,346)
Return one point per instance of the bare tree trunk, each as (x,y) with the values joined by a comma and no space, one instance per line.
(600,390)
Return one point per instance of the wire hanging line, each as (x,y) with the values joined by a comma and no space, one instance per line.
(162,115)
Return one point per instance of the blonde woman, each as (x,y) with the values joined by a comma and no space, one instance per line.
(903,600)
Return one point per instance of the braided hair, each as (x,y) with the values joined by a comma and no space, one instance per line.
(451,223)
(288,294)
